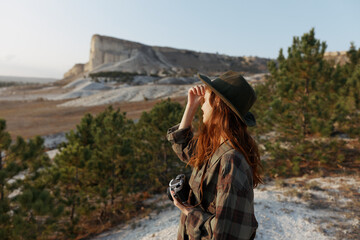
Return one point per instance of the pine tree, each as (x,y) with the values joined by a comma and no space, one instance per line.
(25,202)
(70,176)
(111,157)
(303,89)
(35,205)
(346,80)
(154,150)
(5,141)
(305,98)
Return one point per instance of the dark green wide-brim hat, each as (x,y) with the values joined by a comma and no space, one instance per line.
(236,92)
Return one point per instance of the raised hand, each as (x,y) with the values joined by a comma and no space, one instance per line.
(195,95)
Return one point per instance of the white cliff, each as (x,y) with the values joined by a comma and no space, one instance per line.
(109,54)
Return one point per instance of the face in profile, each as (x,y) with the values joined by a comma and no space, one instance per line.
(206,107)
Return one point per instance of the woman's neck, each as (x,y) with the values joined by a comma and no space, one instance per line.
(222,140)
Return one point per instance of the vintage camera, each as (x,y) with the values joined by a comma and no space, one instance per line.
(181,188)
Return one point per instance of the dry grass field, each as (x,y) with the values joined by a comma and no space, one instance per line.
(39,117)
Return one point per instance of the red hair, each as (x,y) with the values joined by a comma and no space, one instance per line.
(226,124)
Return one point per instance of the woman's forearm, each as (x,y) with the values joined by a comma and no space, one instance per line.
(188,116)
(195,94)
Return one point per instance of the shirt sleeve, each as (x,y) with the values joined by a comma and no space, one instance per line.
(180,140)
(234,217)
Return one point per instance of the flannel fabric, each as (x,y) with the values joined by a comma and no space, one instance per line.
(227,207)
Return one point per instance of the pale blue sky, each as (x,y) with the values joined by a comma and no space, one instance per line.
(45,38)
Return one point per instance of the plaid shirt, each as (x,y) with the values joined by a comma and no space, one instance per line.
(227,208)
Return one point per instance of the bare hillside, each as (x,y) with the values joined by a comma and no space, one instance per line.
(108,54)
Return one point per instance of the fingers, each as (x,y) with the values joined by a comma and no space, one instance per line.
(172,194)
(195,94)
(179,205)
(176,202)
(198,90)
(202,88)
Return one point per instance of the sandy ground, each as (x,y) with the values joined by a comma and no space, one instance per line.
(49,108)
(297,209)
(31,118)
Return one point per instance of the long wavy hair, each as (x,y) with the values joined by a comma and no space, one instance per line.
(224,123)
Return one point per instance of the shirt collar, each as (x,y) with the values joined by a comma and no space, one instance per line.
(223,148)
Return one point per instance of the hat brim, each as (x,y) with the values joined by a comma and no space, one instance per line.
(248,119)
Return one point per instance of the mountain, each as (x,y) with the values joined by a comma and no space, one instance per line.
(108,54)
(338,57)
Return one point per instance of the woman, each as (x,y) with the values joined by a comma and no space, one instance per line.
(224,158)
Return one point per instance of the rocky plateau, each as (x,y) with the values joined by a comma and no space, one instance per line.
(108,54)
